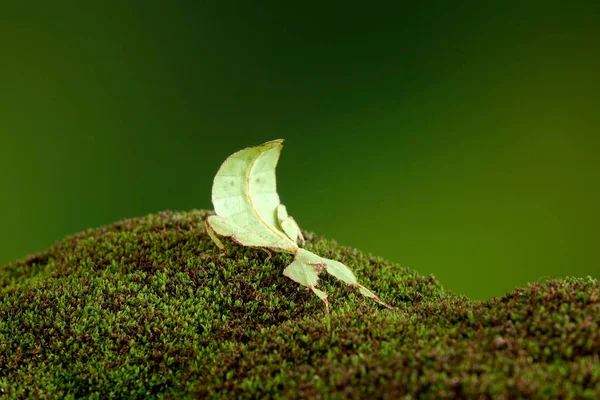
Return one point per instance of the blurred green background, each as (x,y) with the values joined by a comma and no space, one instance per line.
(458,139)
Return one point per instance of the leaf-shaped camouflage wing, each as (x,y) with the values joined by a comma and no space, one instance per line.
(245,199)
(249,210)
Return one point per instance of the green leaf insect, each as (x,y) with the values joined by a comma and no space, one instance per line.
(248,210)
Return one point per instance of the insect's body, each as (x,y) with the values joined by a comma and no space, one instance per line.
(248,210)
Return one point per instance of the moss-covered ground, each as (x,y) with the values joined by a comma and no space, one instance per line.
(148,307)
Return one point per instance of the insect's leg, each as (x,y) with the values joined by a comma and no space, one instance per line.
(343,273)
(281,213)
(296,228)
(323,296)
(290,229)
(305,270)
(211,232)
(300,236)
(221,226)
(268,254)
(289,225)
(367,293)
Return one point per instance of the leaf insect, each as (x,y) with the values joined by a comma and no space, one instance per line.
(248,210)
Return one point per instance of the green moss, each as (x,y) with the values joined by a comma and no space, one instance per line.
(147,307)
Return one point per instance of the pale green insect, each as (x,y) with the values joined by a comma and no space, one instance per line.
(248,209)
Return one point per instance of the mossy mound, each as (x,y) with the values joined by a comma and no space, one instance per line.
(147,307)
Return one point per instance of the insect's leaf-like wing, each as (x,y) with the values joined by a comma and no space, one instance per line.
(244,192)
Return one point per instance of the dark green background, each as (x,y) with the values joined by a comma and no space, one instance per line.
(458,139)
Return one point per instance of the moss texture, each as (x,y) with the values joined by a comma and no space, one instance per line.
(148,307)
